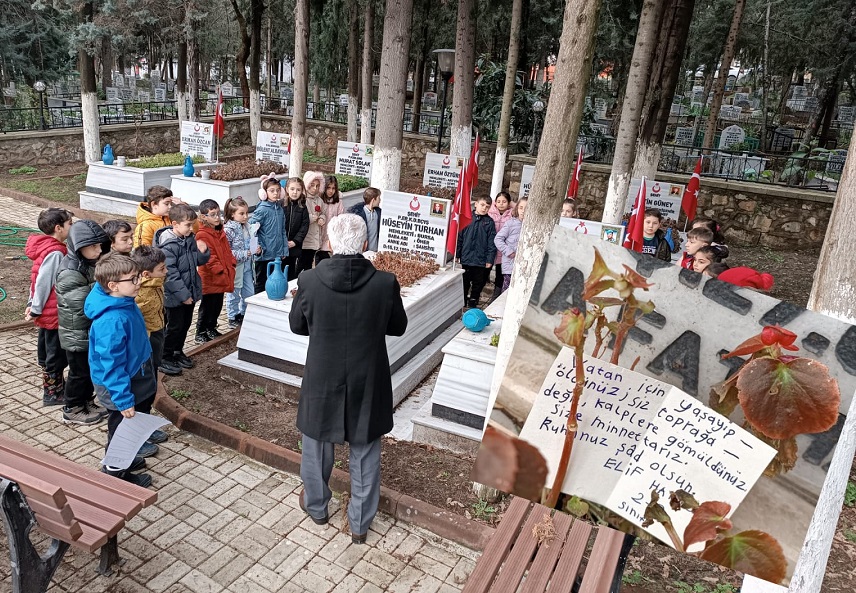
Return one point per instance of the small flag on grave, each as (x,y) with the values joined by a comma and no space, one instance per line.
(634,238)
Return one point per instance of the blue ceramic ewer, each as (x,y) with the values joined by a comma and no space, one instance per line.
(475,320)
(107,157)
(188,167)
(277,282)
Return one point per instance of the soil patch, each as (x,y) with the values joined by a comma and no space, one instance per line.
(793,271)
(56,183)
(14,273)
(432,475)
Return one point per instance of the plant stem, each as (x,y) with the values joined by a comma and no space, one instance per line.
(627,322)
(571,432)
(673,535)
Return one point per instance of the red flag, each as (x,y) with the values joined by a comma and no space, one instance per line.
(462,212)
(473,165)
(574,186)
(219,126)
(634,239)
(689,202)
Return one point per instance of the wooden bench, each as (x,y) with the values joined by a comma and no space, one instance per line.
(514,555)
(73,505)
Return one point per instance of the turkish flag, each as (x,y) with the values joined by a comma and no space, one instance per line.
(462,212)
(219,125)
(634,238)
(689,202)
(574,185)
(473,165)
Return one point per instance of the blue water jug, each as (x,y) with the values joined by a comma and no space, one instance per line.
(277,282)
(475,320)
(188,167)
(107,157)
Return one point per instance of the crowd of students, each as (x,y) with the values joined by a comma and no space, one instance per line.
(113,304)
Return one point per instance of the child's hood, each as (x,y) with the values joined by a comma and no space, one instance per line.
(84,233)
(144,214)
(99,302)
(207,231)
(166,235)
(38,246)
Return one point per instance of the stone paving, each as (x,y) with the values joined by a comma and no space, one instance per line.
(223,522)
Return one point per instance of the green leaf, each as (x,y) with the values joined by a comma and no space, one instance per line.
(708,521)
(783,399)
(753,552)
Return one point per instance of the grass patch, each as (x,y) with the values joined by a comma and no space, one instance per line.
(483,510)
(57,189)
(311,157)
(25,170)
(242,426)
(850,535)
(850,495)
(633,578)
(179,395)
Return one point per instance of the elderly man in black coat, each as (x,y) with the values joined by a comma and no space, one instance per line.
(347,308)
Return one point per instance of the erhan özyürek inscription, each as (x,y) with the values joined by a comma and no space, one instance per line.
(636,435)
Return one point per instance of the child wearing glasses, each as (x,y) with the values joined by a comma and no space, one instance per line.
(218,273)
(120,356)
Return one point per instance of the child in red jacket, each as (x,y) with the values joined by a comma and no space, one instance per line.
(218,275)
(47,251)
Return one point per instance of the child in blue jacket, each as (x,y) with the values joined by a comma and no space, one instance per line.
(270,215)
(120,355)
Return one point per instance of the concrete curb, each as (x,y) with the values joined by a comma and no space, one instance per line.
(446,524)
(7,327)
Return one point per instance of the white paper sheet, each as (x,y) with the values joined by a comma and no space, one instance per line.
(129,437)
(254,239)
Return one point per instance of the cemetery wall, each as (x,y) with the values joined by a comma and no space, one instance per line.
(750,213)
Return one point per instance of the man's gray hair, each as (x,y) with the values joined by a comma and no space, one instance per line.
(347,234)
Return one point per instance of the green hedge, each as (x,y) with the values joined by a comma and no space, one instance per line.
(172,159)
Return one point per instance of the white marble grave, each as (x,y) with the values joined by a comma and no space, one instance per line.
(455,415)
(118,190)
(195,189)
(267,347)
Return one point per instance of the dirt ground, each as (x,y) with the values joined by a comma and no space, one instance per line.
(792,271)
(14,274)
(59,184)
(433,475)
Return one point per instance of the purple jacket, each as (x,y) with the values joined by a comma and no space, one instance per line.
(506,243)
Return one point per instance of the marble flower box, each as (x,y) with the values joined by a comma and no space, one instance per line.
(195,189)
(118,190)
(267,347)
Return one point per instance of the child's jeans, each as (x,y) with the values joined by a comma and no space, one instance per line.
(236,301)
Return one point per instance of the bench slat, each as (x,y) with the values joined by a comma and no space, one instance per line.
(67,533)
(604,557)
(143,496)
(64,516)
(89,514)
(521,554)
(77,486)
(568,564)
(497,548)
(545,561)
(89,541)
(49,494)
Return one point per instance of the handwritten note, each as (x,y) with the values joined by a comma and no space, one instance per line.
(637,434)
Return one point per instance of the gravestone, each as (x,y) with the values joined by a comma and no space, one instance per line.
(782,139)
(810,104)
(677,109)
(698,94)
(730,136)
(144,96)
(600,108)
(237,109)
(799,92)
(155,75)
(429,99)
(730,82)
(729,112)
(160,95)
(170,85)
(126,94)
(112,93)
(836,162)
(130,81)
(738,97)
(846,113)
(227,89)
(600,129)
(118,79)
(684,136)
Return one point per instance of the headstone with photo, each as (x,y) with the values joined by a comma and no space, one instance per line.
(354,159)
(662,195)
(118,79)
(170,85)
(442,170)
(197,139)
(730,136)
(271,146)
(130,81)
(677,109)
(684,136)
(412,223)
(738,97)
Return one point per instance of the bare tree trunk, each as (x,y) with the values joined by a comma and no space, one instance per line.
(353,67)
(243,52)
(765,82)
(182,97)
(631,111)
(552,169)
(392,93)
(418,77)
(316,94)
(507,98)
(661,87)
(724,66)
(300,69)
(193,78)
(269,59)
(368,70)
(256,12)
(461,130)
(89,94)
(106,63)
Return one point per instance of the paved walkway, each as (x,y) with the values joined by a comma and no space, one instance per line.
(223,522)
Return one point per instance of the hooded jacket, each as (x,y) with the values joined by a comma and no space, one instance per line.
(506,243)
(499,219)
(297,225)
(743,276)
(147,225)
(271,233)
(46,253)
(218,274)
(315,206)
(74,281)
(119,351)
(182,258)
(475,242)
(360,210)
(347,308)
(150,302)
(329,211)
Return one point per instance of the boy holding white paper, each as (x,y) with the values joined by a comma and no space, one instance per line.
(120,355)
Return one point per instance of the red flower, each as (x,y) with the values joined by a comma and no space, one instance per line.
(317,208)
